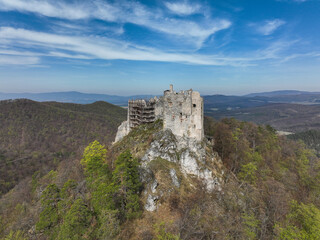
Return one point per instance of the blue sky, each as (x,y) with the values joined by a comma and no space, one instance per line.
(139,47)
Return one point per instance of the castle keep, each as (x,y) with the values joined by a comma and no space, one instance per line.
(181,112)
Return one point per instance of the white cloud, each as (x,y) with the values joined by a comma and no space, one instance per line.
(296,1)
(125,12)
(18,60)
(103,48)
(62,10)
(183,8)
(269,26)
(87,48)
(276,50)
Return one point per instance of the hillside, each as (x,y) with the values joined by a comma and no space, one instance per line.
(36,136)
(251,184)
(285,117)
(311,138)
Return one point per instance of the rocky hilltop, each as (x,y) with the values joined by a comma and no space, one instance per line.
(178,160)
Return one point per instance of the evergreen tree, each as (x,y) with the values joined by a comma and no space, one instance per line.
(76,222)
(126,186)
(49,216)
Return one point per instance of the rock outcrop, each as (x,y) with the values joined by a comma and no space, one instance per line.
(169,162)
(123,130)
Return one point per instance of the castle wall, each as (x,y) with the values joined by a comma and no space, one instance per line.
(181,112)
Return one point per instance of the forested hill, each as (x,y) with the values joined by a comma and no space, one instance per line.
(36,136)
(266,187)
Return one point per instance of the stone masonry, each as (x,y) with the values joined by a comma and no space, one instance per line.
(181,112)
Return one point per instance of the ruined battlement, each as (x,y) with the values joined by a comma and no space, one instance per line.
(181,112)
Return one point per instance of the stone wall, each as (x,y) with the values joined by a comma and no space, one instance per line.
(183,113)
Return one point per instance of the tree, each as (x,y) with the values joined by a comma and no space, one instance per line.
(49,216)
(126,186)
(76,222)
(109,224)
(93,160)
(303,222)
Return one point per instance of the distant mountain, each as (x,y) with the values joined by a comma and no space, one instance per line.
(222,102)
(279,93)
(72,97)
(211,102)
(281,116)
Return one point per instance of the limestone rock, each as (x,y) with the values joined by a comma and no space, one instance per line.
(151,203)
(174,177)
(189,154)
(123,130)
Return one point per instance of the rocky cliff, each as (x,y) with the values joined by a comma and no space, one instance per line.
(170,163)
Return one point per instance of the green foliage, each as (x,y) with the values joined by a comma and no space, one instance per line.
(104,205)
(121,191)
(97,175)
(251,226)
(112,199)
(126,186)
(93,159)
(49,216)
(34,181)
(15,235)
(163,234)
(276,170)
(109,224)
(303,222)
(248,170)
(50,176)
(76,222)
(64,216)
(68,188)
(68,196)
(311,138)
(303,165)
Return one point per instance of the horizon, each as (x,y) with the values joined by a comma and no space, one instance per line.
(159,94)
(127,48)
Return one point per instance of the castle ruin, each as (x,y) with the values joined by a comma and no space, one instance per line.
(181,112)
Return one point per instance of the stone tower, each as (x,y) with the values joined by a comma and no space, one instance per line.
(183,113)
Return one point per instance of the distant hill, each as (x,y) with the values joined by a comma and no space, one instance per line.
(286,117)
(72,97)
(36,136)
(222,102)
(217,102)
(279,93)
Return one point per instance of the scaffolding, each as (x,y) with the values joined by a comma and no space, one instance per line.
(140,112)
